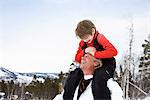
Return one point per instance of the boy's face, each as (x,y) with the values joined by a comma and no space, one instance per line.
(89,38)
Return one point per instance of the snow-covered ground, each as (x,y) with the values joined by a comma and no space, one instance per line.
(146,97)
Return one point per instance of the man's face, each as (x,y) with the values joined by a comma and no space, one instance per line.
(87,61)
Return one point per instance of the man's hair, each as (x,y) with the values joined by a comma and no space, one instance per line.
(99,61)
(84,28)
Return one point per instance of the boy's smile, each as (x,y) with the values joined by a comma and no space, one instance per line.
(88,39)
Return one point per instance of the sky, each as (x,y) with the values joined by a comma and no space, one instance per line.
(38,35)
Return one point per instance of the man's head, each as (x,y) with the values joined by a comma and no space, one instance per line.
(85,30)
(89,63)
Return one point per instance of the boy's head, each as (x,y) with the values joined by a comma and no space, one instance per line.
(85,30)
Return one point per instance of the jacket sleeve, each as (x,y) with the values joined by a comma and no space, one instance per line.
(109,50)
(79,53)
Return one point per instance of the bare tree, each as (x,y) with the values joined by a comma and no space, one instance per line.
(129,61)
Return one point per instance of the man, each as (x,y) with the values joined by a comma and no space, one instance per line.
(88,68)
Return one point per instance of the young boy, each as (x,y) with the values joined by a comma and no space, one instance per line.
(97,45)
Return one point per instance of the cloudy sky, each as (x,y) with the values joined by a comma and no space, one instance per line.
(38,35)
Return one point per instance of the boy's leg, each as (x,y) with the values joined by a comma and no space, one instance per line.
(71,83)
(110,65)
(99,85)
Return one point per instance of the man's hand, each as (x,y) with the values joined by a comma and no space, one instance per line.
(90,50)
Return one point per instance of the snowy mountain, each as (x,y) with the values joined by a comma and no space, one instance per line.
(26,78)
(6,74)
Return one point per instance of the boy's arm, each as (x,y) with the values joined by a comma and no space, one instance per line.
(109,50)
(79,53)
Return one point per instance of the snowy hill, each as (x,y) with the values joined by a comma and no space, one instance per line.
(6,74)
(26,78)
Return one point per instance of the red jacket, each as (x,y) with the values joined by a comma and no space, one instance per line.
(108,52)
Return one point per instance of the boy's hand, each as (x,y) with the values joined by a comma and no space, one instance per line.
(90,50)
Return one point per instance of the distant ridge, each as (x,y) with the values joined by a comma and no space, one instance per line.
(17,77)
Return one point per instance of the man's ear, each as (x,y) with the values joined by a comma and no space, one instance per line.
(96,63)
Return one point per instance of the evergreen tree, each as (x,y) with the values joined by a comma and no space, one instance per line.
(3,86)
(144,67)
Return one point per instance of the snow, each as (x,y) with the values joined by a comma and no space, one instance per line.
(40,80)
(8,75)
(53,76)
(146,98)
(2,74)
(24,79)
